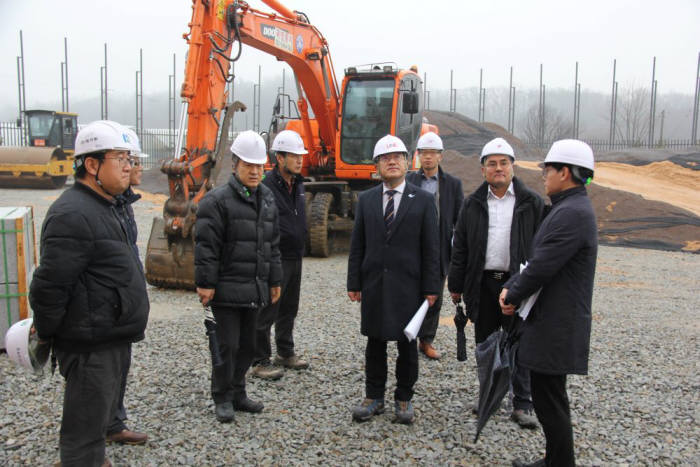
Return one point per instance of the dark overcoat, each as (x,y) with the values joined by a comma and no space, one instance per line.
(393,270)
(556,335)
(450,200)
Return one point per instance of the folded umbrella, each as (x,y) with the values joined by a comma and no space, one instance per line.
(460,322)
(497,356)
(210,326)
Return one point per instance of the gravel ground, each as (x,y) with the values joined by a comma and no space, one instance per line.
(640,403)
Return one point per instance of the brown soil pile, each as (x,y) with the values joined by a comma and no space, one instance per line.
(659,181)
(624,218)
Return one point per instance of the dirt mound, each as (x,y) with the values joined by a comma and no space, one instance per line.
(624,218)
(687,158)
(467,136)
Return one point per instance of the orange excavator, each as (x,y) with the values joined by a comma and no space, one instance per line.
(373,100)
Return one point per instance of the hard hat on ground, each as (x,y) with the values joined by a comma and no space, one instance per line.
(430,140)
(135,144)
(249,147)
(387,145)
(571,151)
(22,348)
(102,135)
(497,146)
(288,141)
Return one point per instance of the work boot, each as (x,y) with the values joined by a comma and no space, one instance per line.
(265,370)
(367,409)
(294,362)
(524,418)
(248,405)
(126,436)
(224,412)
(403,410)
(428,350)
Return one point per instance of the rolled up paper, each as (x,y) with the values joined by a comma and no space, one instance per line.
(413,327)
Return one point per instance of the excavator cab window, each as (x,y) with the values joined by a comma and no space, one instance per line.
(367,107)
(410,117)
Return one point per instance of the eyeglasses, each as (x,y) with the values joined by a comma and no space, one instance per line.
(394,156)
(122,161)
(545,170)
(135,161)
(493,164)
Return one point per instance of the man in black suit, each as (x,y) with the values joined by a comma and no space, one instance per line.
(449,196)
(393,266)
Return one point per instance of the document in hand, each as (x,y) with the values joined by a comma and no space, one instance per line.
(413,327)
(528,303)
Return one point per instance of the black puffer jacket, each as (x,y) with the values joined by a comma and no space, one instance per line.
(124,202)
(471,236)
(237,245)
(88,292)
(292,213)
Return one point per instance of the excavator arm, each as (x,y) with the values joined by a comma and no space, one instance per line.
(216,27)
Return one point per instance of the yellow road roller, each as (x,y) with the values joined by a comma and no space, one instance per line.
(48,159)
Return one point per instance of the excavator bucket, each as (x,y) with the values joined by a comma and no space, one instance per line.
(34,167)
(169,264)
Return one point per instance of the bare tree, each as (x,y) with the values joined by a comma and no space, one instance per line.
(632,123)
(556,126)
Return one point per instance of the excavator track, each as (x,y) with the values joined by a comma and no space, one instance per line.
(318,232)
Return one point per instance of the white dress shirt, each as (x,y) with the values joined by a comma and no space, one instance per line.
(500,220)
(397,197)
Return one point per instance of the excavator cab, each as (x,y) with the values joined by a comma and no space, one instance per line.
(47,160)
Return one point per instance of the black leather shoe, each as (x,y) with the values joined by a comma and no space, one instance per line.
(248,405)
(519,463)
(224,412)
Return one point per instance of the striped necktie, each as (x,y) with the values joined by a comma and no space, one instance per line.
(389,211)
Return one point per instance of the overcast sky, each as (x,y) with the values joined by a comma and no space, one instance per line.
(437,35)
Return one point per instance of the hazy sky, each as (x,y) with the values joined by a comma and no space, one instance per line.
(436,35)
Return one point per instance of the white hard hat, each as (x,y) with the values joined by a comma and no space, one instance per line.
(497,146)
(387,145)
(288,141)
(102,135)
(135,144)
(430,140)
(250,147)
(571,151)
(21,346)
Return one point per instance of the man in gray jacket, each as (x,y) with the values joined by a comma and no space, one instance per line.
(555,338)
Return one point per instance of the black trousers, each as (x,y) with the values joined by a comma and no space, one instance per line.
(489,320)
(552,409)
(117,424)
(282,314)
(432,318)
(235,330)
(376,369)
(89,402)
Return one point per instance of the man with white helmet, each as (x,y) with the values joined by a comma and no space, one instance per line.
(89,292)
(448,194)
(392,267)
(287,184)
(555,338)
(237,268)
(117,431)
(492,238)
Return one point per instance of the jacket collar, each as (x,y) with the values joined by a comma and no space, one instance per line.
(128,197)
(522,194)
(558,197)
(440,174)
(78,185)
(242,191)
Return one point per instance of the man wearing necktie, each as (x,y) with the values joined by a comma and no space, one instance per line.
(392,267)
(449,197)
